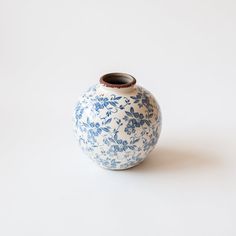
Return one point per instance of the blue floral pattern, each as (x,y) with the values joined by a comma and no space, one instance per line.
(117,131)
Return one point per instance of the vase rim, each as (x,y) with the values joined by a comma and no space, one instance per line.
(117,80)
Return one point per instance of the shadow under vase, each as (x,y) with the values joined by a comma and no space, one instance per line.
(171,159)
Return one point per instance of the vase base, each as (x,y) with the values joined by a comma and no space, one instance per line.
(126,167)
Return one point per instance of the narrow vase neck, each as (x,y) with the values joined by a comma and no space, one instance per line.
(120,83)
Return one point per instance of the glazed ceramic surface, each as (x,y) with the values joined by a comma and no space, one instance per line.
(117,127)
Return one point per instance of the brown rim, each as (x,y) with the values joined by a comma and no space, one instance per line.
(117,80)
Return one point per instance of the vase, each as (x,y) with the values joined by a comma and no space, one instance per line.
(117,122)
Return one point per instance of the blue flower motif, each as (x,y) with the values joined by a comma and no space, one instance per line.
(104,102)
(135,120)
(118,145)
(93,129)
(101,103)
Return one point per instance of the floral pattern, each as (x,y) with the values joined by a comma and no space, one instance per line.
(117,131)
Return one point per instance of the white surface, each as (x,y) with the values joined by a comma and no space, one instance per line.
(182,51)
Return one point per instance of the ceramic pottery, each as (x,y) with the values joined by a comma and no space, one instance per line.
(117,123)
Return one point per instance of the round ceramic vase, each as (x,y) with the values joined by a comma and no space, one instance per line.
(117,123)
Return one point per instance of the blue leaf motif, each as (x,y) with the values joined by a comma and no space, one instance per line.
(106,129)
(136,140)
(112,140)
(108,121)
(128,113)
(88,122)
(113,104)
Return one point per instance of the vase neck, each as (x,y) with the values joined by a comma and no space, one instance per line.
(121,83)
(121,91)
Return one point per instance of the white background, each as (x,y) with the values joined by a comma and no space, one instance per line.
(184,52)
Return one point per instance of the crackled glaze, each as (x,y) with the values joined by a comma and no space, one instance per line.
(117,127)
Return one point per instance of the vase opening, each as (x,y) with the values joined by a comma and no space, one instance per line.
(117,80)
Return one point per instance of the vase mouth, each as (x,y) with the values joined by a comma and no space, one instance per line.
(117,80)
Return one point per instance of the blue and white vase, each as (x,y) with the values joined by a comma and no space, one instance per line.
(117,123)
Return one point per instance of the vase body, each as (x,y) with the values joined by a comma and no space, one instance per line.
(117,123)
